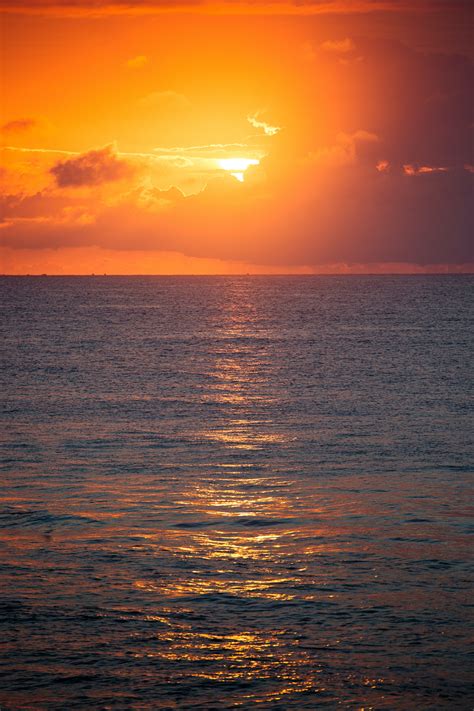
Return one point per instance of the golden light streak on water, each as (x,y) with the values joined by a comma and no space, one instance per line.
(251,502)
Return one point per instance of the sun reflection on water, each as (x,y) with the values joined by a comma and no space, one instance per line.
(243,657)
(238,534)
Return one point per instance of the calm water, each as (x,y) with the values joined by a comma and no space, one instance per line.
(241,492)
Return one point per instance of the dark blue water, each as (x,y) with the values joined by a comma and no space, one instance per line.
(241,492)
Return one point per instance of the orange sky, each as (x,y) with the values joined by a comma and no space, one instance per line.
(117,119)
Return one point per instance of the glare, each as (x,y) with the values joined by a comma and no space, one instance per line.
(237,166)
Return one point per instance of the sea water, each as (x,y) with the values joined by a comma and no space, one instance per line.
(236,493)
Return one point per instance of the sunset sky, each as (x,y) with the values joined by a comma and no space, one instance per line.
(279,136)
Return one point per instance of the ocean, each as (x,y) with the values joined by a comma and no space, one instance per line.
(236,493)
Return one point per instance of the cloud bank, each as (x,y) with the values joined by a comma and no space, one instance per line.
(92,168)
(377,169)
(98,8)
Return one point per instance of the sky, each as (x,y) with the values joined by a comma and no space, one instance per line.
(228,137)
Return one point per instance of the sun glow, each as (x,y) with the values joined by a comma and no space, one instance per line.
(237,166)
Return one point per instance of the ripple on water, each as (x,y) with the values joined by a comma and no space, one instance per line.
(236,493)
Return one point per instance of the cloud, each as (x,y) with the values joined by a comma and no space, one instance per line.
(339,46)
(338,214)
(350,148)
(419,103)
(152,199)
(92,168)
(267,128)
(19,125)
(165,101)
(97,260)
(99,8)
(412,170)
(137,62)
(333,189)
(28,170)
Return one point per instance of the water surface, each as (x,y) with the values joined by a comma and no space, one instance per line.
(243,492)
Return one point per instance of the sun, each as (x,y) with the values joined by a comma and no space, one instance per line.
(237,166)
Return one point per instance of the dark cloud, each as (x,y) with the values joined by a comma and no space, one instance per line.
(107,7)
(92,168)
(383,181)
(420,103)
(40,205)
(19,125)
(351,213)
